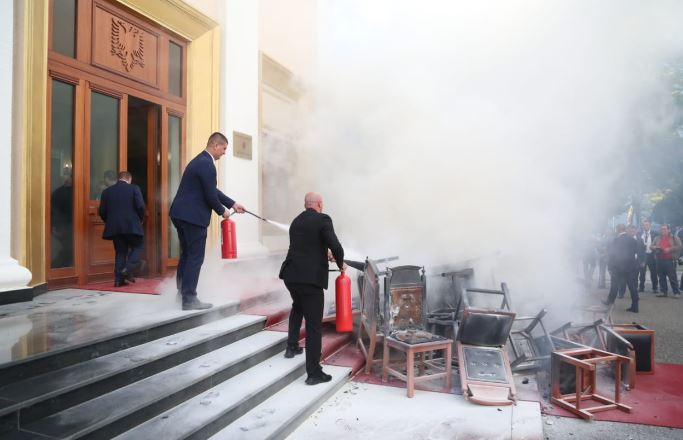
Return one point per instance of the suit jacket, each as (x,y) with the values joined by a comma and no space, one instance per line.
(623,253)
(197,193)
(310,236)
(122,210)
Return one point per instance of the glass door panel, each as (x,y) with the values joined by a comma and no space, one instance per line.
(174,142)
(104,143)
(61,175)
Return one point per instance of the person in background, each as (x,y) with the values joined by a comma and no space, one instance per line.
(640,257)
(622,265)
(648,236)
(603,243)
(305,273)
(122,210)
(191,214)
(667,248)
(589,259)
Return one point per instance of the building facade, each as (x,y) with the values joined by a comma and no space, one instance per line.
(99,86)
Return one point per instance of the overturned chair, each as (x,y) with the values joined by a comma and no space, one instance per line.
(530,343)
(445,317)
(405,322)
(602,337)
(485,373)
(473,297)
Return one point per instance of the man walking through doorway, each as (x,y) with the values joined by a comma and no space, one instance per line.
(191,213)
(122,210)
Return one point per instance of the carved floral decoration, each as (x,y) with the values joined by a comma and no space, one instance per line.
(127,43)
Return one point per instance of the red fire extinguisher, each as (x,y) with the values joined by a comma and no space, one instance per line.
(343,305)
(228,241)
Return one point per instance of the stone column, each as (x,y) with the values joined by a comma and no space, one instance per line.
(13,277)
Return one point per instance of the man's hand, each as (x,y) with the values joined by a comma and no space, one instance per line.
(330,257)
(238,208)
(226,213)
(344,267)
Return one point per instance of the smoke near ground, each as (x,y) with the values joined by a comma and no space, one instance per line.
(443,131)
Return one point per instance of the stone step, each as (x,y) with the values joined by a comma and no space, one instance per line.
(113,413)
(283,412)
(45,362)
(39,396)
(209,412)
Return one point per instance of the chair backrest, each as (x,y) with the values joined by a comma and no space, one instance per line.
(469,300)
(370,298)
(487,328)
(405,293)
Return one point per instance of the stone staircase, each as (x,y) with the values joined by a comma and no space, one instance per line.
(212,374)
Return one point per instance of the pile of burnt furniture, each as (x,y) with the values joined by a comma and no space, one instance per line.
(477,331)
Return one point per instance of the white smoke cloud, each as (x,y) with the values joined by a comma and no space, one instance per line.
(446,130)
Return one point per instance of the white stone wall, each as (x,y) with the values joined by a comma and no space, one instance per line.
(12,275)
(239,112)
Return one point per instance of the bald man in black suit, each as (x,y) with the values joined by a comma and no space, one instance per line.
(305,273)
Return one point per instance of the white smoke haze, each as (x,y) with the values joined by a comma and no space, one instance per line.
(444,131)
(223,281)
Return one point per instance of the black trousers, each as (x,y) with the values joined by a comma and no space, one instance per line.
(308,302)
(192,246)
(667,269)
(618,282)
(128,249)
(651,265)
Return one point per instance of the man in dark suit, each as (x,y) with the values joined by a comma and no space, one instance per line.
(191,213)
(623,264)
(122,210)
(305,273)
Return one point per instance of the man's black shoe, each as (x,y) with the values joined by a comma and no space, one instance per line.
(631,309)
(127,276)
(642,289)
(120,283)
(195,304)
(290,352)
(662,295)
(318,378)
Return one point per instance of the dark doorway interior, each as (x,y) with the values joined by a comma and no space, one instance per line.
(143,164)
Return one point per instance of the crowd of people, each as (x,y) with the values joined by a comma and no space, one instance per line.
(627,254)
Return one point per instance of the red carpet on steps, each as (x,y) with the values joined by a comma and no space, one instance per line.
(656,400)
(149,286)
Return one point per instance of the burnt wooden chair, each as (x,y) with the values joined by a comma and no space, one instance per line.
(581,364)
(530,343)
(370,328)
(486,298)
(485,373)
(445,316)
(405,320)
(602,337)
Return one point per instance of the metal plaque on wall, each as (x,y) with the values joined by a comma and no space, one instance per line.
(241,145)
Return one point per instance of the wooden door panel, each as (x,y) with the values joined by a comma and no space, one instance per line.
(101,250)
